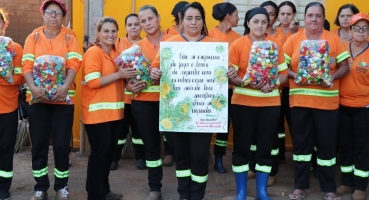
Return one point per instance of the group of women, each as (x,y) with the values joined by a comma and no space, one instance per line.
(323,118)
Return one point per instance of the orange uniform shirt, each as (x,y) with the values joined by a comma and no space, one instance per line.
(100,104)
(64,29)
(122,44)
(314,96)
(354,87)
(239,54)
(172,31)
(9,92)
(54,47)
(151,93)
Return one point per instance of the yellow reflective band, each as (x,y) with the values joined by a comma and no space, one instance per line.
(5,174)
(41,172)
(106,106)
(121,142)
(282,66)
(314,92)
(302,158)
(199,179)
(29,57)
(256,93)
(221,143)
(360,173)
(153,164)
(236,67)
(281,135)
(60,174)
(152,89)
(127,92)
(17,70)
(326,163)
(240,169)
(275,152)
(253,148)
(183,173)
(287,58)
(71,93)
(92,76)
(342,56)
(72,55)
(264,168)
(137,141)
(347,169)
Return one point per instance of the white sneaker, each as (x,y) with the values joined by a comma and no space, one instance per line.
(40,195)
(62,194)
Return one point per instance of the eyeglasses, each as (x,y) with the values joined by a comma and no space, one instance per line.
(51,12)
(358,28)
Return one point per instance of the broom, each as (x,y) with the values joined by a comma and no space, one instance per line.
(128,149)
(22,131)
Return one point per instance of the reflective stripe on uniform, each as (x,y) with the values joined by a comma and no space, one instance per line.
(287,58)
(255,93)
(221,143)
(28,56)
(183,173)
(360,173)
(137,141)
(282,66)
(156,163)
(92,76)
(347,169)
(17,70)
(152,89)
(342,56)
(264,168)
(60,174)
(275,152)
(41,172)
(253,147)
(121,142)
(71,93)
(314,92)
(105,106)
(72,55)
(327,163)
(240,169)
(5,174)
(199,179)
(281,135)
(303,158)
(127,92)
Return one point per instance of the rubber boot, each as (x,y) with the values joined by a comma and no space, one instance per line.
(218,164)
(241,185)
(262,185)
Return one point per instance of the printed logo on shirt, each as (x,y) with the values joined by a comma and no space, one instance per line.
(362,68)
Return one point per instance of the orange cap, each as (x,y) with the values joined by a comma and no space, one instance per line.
(357,17)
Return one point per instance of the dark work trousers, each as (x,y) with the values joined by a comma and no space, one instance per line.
(129,122)
(146,114)
(8,134)
(284,116)
(192,152)
(168,144)
(103,138)
(253,122)
(57,120)
(221,140)
(354,146)
(309,125)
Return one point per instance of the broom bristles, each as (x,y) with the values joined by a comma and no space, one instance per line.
(128,149)
(21,135)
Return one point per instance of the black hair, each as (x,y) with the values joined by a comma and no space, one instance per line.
(198,6)
(221,10)
(353,9)
(327,25)
(250,14)
(311,4)
(152,8)
(288,3)
(176,9)
(102,21)
(271,3)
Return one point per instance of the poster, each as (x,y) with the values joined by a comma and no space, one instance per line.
(194,87)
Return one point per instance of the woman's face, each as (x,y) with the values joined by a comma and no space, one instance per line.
(360,31)
(286,15)
(133,27)
(149,21)
(193,22)
(272,17)
(53,15)
(107,34)
(258,25)
(344,17)
(233,18)
(314,19)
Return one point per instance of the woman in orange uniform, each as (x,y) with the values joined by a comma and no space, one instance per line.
(145,105)
(354,113)
(102,107)
(227,15)
(176,29)
(51,116)
(133,29)
(342,20)
(8,112)
(314,108)
(192,149)
(286,16)
(251,103)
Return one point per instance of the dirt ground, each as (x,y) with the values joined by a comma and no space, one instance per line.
(132,183)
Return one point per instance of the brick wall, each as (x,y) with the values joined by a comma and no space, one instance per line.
(25,17)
